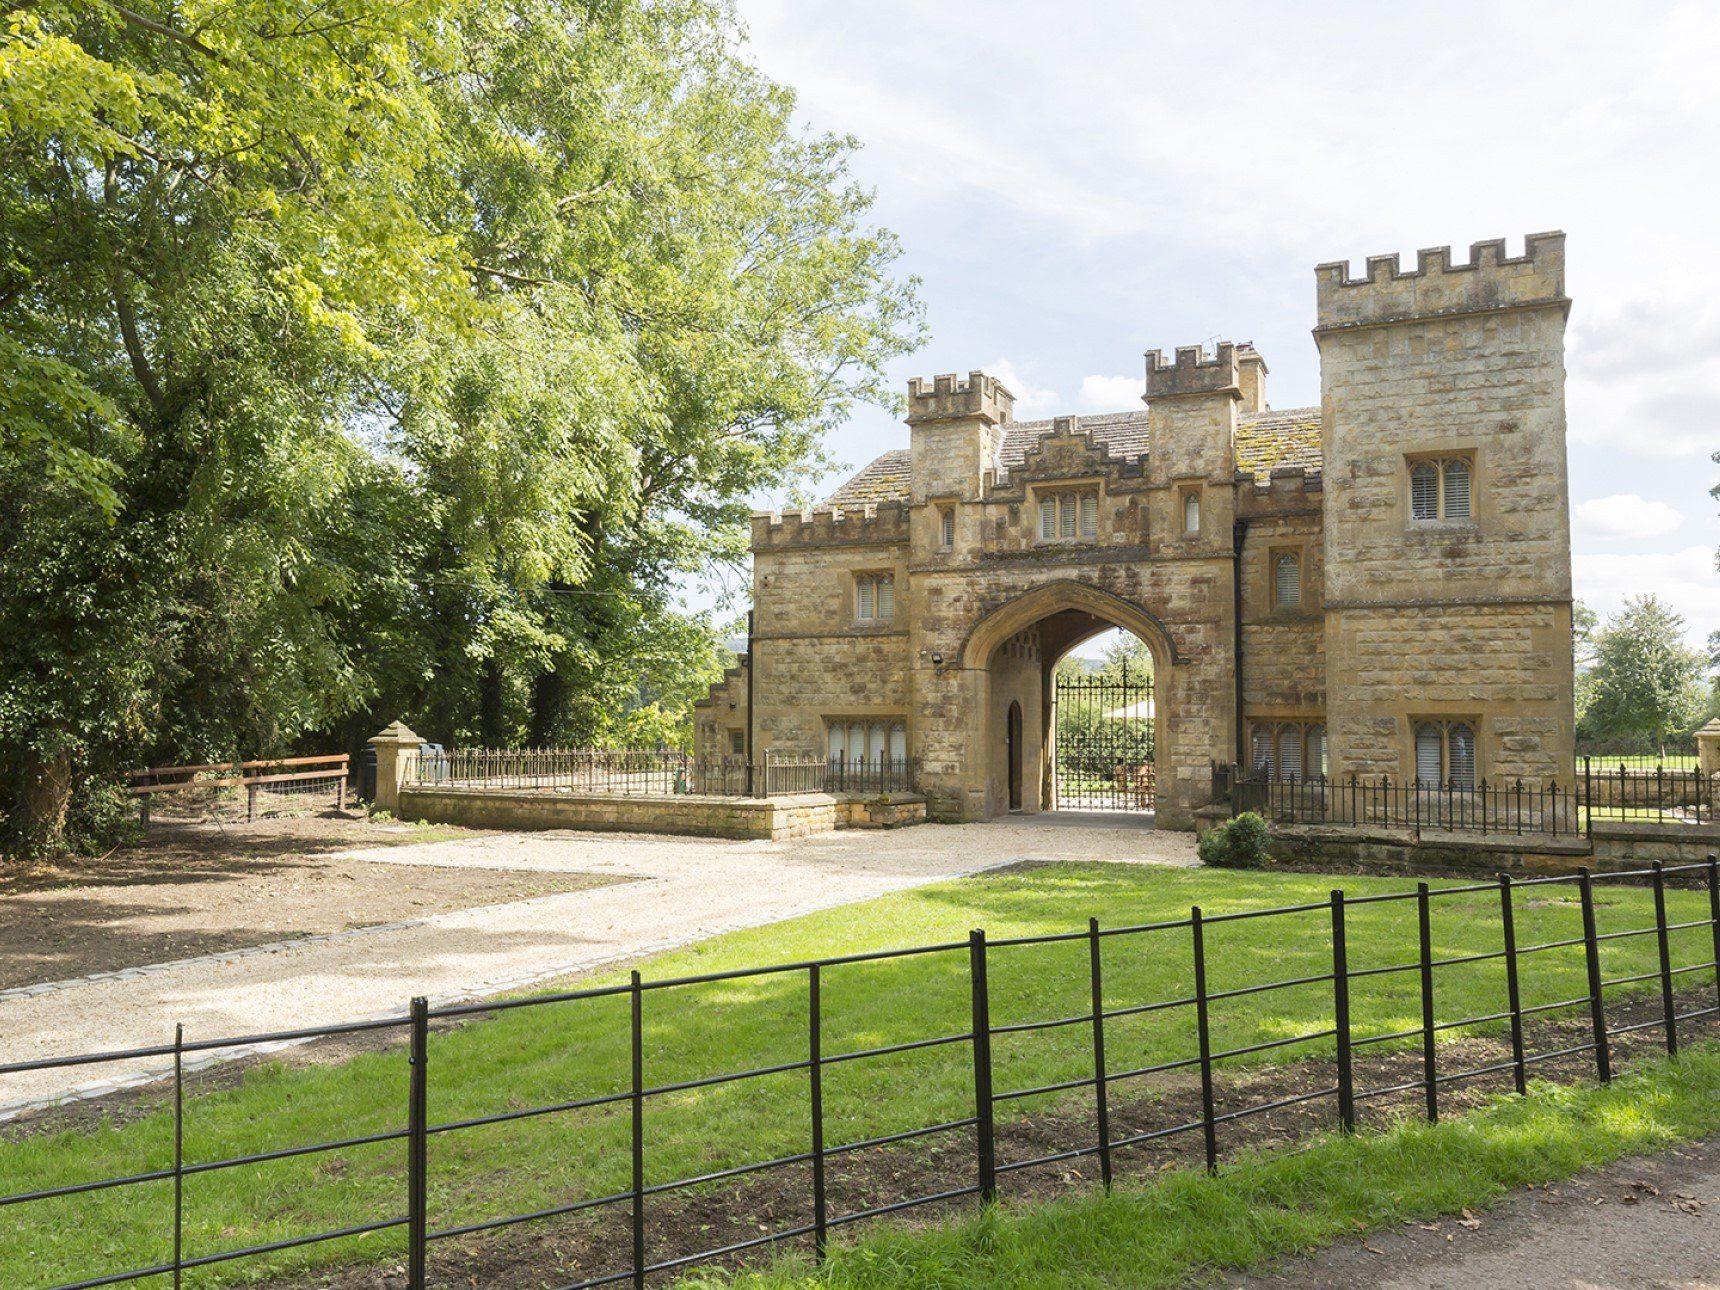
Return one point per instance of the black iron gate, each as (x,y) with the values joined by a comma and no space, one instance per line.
(1102,742)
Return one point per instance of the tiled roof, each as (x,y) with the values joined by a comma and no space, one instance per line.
(1124,433)
(1268,441)
(1265,441)
(885,480)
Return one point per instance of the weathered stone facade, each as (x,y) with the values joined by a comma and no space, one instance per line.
(1283,567)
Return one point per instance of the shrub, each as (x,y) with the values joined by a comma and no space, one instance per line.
(100,817)
(1240,843)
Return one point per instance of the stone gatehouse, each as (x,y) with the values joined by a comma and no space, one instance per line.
(1378,585)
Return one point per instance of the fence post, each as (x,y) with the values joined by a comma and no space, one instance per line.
(1204,1030)
(1714,915)
(1424,918)
(1508,921)
(1589,804)
(178,1152)
(983,1127)
(1668,1007)
(417,1144)
(1101,1101)
(1341,1014)
(815,1051)
(637,1028)
(1592,951)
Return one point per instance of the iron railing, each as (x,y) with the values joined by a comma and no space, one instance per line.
(872,775)
(632,772)
(1506,806)
(1342,1034)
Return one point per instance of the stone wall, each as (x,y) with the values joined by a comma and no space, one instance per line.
(1616,847)
(775,818)
(879,811)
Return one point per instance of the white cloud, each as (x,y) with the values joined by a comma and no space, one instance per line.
(1685,579)
(1031,401)
(1110,393)
(1627,515)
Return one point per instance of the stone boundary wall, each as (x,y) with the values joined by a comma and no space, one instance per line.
(1616,847)
(772,818)
(879,811)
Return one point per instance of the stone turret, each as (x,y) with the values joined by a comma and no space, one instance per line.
(1192,404)
(955,431)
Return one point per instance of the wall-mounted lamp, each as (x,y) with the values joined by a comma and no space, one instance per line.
(937,659)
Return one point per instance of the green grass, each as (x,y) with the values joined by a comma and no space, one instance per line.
(1186,1225)
(1640,761)
(566,1051)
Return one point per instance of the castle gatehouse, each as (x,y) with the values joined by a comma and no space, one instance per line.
(1380,585)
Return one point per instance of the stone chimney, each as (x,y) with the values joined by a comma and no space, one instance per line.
(1250,377)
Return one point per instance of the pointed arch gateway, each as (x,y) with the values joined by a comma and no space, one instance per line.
(1011,654)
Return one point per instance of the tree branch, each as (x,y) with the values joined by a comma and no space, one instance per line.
(122,302)
(135,19)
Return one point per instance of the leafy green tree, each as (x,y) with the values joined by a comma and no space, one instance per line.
(1647,681)
(375,358)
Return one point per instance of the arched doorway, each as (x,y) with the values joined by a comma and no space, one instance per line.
(1014,652)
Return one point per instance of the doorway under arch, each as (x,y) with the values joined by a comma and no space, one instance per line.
(1018,648)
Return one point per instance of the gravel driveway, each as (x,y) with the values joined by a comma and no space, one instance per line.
(680,890)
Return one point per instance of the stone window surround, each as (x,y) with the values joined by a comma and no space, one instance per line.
(875,576)
(1276,727)
(1297,551)
(1067,491)
(1446,722)
(1438,457)
(1185,490)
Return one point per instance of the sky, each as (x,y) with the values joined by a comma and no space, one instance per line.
(1079,183)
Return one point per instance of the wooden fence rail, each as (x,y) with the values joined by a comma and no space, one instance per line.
(249,775)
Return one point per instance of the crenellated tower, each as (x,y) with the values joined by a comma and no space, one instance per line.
(1447,534)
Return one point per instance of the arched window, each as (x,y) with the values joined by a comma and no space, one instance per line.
(1290,752)
(1429,754)
(1460,756)
(1287,580)
(1424,491)
(1317,752)
(947,528)
(1445,755)
(1441,489)
(1456,500)
(1191,511)
(899,743)
(1261,750)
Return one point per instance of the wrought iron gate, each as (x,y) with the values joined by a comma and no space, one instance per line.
(1102,749)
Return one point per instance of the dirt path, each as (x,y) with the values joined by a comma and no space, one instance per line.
(1650,1221)
(206,890)
(663,892)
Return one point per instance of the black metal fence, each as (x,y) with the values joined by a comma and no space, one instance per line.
(633,772)
(423,1232)
(872,775)
(1657,796)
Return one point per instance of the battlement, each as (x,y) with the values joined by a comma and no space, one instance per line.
(1193,372)
(948,398)
(1285,488)
(1490,280)
(830,526)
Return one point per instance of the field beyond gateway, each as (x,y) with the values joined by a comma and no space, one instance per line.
(564,1052)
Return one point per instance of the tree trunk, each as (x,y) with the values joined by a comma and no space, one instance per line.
(492,729)
(549,706)
(43,795)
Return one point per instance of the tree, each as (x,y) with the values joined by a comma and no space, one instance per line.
(1646,679)
(375,358)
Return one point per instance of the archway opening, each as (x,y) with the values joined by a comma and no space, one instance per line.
(1102,726)
(1121,753)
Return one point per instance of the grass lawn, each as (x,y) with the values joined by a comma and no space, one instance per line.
(1186,1223)
(566,1051)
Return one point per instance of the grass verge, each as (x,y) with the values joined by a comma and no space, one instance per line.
(1188,1225)
(563,1052)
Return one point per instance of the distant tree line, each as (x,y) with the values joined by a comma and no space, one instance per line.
(393,358)
(1637,679)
